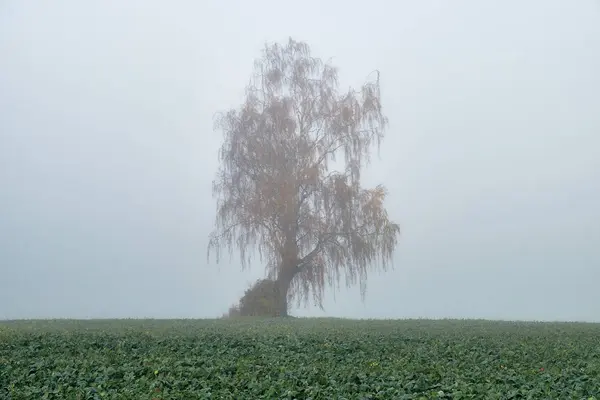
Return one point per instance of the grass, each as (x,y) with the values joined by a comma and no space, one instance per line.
(298,359)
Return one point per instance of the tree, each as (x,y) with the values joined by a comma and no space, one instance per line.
(275,191)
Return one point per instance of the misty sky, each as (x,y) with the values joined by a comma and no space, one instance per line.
(492,156)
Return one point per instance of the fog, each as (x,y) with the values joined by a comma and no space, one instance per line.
(492,155)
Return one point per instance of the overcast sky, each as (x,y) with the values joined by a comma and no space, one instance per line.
(492,157)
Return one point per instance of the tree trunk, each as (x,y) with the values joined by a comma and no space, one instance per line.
(288,267)
(284,281)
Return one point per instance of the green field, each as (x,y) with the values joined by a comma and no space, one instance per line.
(298,359)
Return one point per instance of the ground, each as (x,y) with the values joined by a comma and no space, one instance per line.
(298,359)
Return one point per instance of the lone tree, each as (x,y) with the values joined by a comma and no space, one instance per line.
(275,192)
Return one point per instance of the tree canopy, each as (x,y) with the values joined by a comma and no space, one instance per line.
(313,226)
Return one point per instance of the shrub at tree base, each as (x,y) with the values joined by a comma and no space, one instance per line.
(260,300)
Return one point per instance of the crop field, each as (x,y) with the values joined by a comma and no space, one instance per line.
(298,359)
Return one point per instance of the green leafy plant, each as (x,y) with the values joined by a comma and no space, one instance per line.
(273,358)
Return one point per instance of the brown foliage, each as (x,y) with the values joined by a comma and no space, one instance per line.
(275,192)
